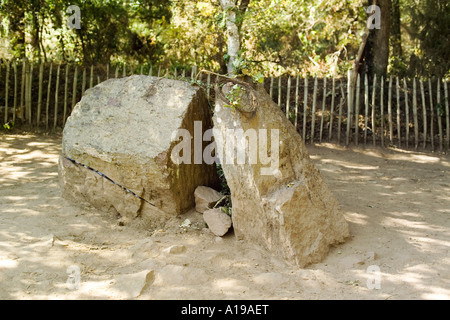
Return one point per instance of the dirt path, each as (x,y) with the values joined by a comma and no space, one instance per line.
(397,204)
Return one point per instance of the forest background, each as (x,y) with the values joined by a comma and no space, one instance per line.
(314,37)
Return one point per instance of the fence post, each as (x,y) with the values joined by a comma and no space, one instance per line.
(83,82)
(422,94)
(288,96)
(305,103)
(349,106)
(41,76)
(313,116)
(30,92)
(358,87)
(296,102)
(271,88)
(55,117)
(366,107)
(382,111)
(15,90)
(439,110)
(391,129)
(91,77)
(432,115)
(26,80)
(74,92)
(447,117)
(399,123)
(200,78)
(330,133)
(175,72)
(324,98)
(22,86)
(341,104)
(406,112)
(374,91)
(208,86)
(6,91)
(279,91)
(66,85)
(47,103)
(416,121)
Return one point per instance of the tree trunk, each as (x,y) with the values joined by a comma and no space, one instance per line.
(233,41)
(35,36)
(380,40)
(396,38)
(220,53)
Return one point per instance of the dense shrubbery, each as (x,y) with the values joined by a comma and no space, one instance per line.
(278,36)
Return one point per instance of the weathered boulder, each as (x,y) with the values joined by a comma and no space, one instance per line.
(218,221)
(205,198)
(280,199)
(126,129)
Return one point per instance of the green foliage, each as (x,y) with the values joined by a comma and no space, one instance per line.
(8,125)
(225,202)
(429,28)
(313,37)
(398,66)
(226,210)
(224,188)
(440,110)
(234,97)
(110,30)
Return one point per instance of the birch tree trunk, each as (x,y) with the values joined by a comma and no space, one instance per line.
(233,42)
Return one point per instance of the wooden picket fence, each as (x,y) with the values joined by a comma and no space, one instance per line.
(392,112)
(405,113)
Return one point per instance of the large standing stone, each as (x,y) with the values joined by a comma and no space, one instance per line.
(280,200)
(125,128)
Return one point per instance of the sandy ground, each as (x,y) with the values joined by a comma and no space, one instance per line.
(396,202)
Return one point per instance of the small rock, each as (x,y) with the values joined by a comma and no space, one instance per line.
(45,243)
(186,223)
(218,222)
(269,279)
(151,264)
(133,284)
(219,239)
(206,230)
(205,198)
(143,247)
(371,256)
(175,249)
(180,276)
(368,257)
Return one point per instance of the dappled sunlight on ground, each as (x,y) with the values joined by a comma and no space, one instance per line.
(399,210)
(397,204)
